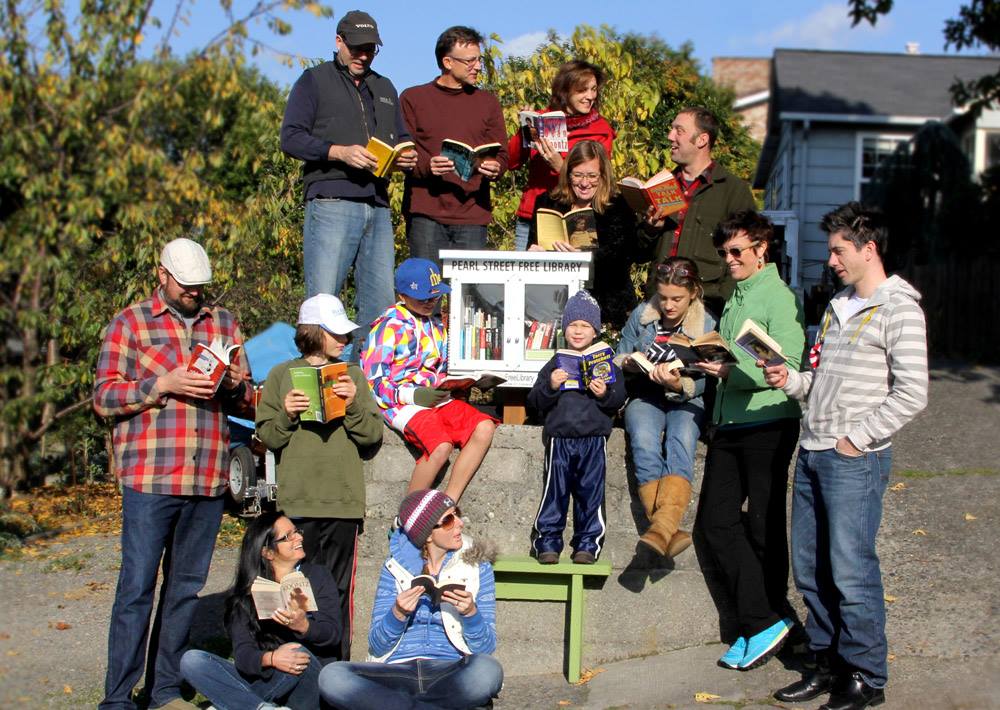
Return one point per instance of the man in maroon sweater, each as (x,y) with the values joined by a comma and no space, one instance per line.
(443,211)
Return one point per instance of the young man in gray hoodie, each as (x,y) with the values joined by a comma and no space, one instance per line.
(867,378)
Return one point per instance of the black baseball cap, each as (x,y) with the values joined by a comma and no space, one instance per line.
(357,27)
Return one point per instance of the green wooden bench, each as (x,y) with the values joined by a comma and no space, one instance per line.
(521,578)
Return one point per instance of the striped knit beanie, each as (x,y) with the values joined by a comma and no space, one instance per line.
(419,513)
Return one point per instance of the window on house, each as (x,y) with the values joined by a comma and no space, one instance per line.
(992,149)
(874,150)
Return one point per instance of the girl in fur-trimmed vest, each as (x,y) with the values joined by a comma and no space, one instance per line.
(665,410)
(426,651)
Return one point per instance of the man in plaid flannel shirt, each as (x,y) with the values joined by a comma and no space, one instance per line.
(171,453)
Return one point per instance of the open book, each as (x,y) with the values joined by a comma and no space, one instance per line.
(550,125)
(756,343)
(647,365)
(709,347)
(661,191)
(432,588)
(317,382)
(578,227)
(481,380)
(386,154)
(269,596)
(584,367)
(212,360)
(466,158)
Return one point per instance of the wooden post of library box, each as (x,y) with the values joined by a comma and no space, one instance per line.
(505,314)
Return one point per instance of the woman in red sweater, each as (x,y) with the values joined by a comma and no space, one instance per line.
(576,91)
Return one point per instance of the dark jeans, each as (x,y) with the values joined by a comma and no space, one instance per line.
(751,555)
(218,680)
(427,237)
(468,682)
(836,512)
(333,543)
(181,530)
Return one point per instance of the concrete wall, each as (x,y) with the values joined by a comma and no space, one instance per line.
(637,611)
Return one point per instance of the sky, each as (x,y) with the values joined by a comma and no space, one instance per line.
(725,28)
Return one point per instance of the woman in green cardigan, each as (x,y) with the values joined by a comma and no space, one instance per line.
(748,457)
(321,483)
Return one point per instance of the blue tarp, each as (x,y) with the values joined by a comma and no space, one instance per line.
(273,346)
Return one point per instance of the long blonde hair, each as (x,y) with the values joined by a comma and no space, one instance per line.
(581,153)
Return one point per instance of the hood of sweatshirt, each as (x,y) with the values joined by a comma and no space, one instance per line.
(893,288)
(407,554)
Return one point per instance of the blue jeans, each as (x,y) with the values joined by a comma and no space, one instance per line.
(663,436)
(339,234)
(181,530)
(468,682)
(522,230)
(219,681)
(836,512)
(427,237)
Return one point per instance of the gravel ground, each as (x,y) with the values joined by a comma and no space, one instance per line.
(940,558)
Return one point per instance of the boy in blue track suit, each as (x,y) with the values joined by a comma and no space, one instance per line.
(575,433)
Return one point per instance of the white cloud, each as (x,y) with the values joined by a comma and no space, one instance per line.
(829,27)
(524,45)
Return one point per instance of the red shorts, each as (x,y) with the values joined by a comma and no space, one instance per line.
(452,423)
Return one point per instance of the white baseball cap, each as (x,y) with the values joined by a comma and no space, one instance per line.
(327,312)
(187,262)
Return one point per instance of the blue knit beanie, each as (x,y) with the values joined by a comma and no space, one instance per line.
(582,306)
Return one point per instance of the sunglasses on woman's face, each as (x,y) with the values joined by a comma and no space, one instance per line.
(735,252)
(448,521)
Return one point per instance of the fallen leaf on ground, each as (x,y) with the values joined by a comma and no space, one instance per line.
(889,598)
(4,636)
(587,674)
(920,531)
(897,487)
(59,625)
(13,653)
(705,697)
(564,703)
(970,516)
(67,689)
(891,657)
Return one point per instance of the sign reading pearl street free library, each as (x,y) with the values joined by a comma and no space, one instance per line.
(503,264)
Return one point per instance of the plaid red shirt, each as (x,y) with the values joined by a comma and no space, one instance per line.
(165,444)
(688,188)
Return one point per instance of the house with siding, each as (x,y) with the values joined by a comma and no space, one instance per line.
(833,117)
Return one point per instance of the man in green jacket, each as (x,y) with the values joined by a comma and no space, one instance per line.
(713,194)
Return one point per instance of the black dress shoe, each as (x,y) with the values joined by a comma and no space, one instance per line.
(852,693)
(812,684)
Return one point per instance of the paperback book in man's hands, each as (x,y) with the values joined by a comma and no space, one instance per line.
(212,360)
(756,343)
(583,367)
(709,347)
(317,382)
(577,227)
(433,589)
(269,596)
(467,158)
(662,191)
(386,154)
(550,125)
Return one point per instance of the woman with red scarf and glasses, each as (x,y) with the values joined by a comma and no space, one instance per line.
(576,91)
(433,622)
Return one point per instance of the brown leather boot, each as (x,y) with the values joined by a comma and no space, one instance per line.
(672,497)
(647,496)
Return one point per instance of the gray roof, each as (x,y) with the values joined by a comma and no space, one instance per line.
(863,83)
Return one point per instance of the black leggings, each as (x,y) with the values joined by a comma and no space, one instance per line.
(750,553)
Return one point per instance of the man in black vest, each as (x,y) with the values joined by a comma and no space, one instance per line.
(333,110)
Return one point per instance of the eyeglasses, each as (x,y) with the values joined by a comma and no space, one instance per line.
(432,299)
(448,521)
(470,62)
(673,270)
(370,49)
(288,536)
(735,252)
(584,177)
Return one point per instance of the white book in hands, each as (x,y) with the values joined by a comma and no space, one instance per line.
(756,343)
(269,596)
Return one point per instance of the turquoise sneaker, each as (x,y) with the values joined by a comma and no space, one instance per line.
(731,659)
(762,646)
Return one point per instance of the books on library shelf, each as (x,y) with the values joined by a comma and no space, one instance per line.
(433,589)
(578,227)
(481,332)
(482,381)
(756,343)
(212,360)
(386,154)
(317,382)
(466,157)
(550,125)
(540,339)
(585,366)
(709,347)
(269,596)
(662,191)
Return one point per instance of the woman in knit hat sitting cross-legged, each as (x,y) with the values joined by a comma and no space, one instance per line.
(433,623)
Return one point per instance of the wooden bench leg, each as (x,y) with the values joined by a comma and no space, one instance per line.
(575,652)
